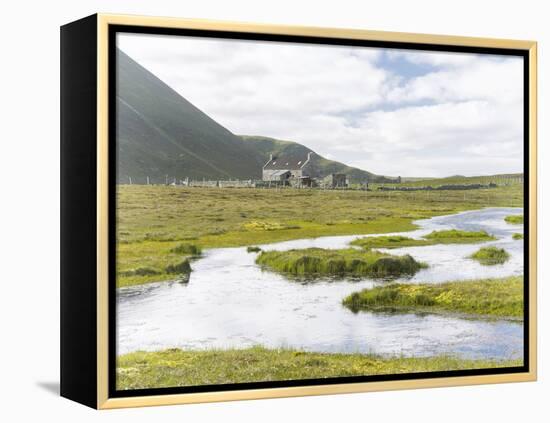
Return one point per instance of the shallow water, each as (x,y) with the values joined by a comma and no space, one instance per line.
(231,302)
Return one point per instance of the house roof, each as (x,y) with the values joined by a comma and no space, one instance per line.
(286,163)
(280,172)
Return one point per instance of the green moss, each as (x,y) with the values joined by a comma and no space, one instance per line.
(313,262)
(175,367)
(515,219)
(490,256)
(517,236)
(492,297)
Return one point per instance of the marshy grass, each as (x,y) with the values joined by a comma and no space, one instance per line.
(187,249)
(490,256)
(456,236)
(517,236)
(140,271)
(253,249)
(176,367)
(390,241)
(154,219)
(501,297)
(451,236)
(268,226)
(183,267)
(174,262)
(314,262)
(514,219)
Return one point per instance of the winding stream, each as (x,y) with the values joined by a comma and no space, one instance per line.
(231,302)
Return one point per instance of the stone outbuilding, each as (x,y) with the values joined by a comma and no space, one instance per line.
(334,180)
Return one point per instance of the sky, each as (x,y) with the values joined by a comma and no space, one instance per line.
(391,112)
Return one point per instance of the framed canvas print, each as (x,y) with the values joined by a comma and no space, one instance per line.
(256,211)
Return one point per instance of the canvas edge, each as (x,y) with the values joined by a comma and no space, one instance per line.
(103,400)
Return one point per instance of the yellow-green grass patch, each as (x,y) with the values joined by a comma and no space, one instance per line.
(502,297)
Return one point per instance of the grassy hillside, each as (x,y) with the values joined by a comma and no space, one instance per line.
(319,165)
(161,133)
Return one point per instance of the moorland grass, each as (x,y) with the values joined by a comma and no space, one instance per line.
(154,219)
(176,367)
(456,236)
(315,262)
(490,256)
(514,219)
(452,236)
(501,297)
(187,249)
(172,262)
(390,241)
(502,180)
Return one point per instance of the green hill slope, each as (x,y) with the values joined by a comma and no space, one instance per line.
(162,134)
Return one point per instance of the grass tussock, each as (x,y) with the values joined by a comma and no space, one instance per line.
(187,249)
(456,236)
(517,236)
(313,262)
(253,249)
(183,267)
(451,236)
(391,241)
(490,297)
(140,271)
(515,219)
(176,367)
(490,256)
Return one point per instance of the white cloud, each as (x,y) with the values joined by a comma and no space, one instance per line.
(464,116)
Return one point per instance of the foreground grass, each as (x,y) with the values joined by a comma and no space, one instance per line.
(152,220)
(490,256)
(175,367)
(452,236)
(515,219)
(312,262)
(489,297)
